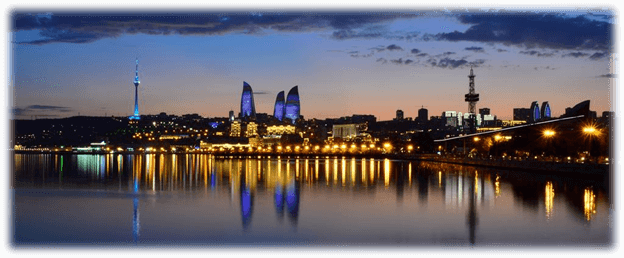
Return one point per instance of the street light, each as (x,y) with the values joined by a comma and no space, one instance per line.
(548,133)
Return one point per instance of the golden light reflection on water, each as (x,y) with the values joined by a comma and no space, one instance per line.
(549,198)
(497,189)
(259,168)
(476,183)
(372,170)
(386,172)
(335,171)
(590,205)
(364,171)
(409,172)
(440,179)
(327,170)
(344,170)
(316,169)
(352,171)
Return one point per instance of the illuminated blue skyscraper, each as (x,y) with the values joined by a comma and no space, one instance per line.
(136,115)
(279,106)
(248,108)
(535,112)
(292,104)
(545,110)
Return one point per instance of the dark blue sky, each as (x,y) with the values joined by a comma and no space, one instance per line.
(343,62)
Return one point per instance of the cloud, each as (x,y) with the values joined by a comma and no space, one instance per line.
(454,63)
(609,75)
(378,48)
(525,29)
(475,49)
(401,62)
(382,60)
(536,53)
(598,55)
(357,54)
(85,28)
(501,50)
(422,54)
(350,34)
(48,108)
(546,68)
(40,110)
(415,51)
(394,47)
(575,54)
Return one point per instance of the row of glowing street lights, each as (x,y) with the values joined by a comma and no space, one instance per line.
(549,133)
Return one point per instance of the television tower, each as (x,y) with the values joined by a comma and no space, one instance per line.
(136,115)
(472,99)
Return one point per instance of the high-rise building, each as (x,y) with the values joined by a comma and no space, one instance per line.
(278,112)
(231,115)
(545,110)
(521,114)
(399,115)
(248,108)
(293,109)
(535,112)
(136,115)
(423,114)
(484,111)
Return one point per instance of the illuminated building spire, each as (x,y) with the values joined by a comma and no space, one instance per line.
(472,99)
(136,115)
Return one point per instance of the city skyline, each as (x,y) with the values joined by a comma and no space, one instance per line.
(346,63)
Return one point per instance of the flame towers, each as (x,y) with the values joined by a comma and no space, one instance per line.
(248,108)
(136,115)
(292,109)
(278,112)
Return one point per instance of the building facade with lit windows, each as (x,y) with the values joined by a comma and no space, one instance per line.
(248,107)
(280,129)
(293,108)
(235,128)
(252,129)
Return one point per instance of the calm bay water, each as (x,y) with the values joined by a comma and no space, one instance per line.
(180,199)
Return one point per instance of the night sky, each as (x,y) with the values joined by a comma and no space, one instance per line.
(83,62)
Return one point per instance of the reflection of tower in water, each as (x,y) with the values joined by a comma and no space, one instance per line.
(292,200)
(246,201)
(287,196)
(472,211)
(135,217)
(279,200)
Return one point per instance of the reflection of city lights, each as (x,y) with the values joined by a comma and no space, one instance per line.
(549,198)
(386,172)
(590,205)
(497,186)
(440,179)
